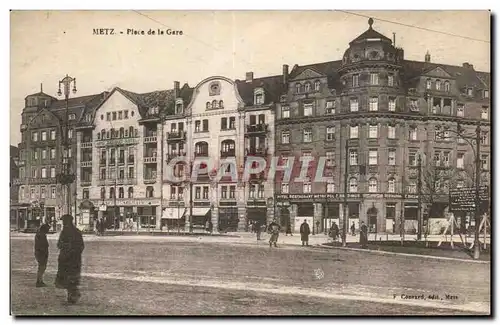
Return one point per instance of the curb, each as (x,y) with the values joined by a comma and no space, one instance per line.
(403,254)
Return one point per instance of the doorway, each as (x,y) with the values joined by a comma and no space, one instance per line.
(372,220)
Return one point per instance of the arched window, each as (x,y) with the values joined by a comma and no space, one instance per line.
(113,133)
(221,104)
(122,132)
(307,87)
(391,185)
(126,133)
(317,84)
(228,146)
(107,135)
(297,88)
(103,193)
(121,193)
(438,84)
(136,132)
(429,84)
(353,185)
(130,192)
(372,185)
(214,104)
(85,194)
(98,136)
(201,148)
(208,105)
(150,192)
(131,131)
(446,85)
(112,193)
(103,134)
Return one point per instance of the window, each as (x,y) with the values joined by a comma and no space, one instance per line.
(108,116)
(354,105)
(307,135)
(52,172)
(484,162)
(414,105)
(446,159)
(390,80)
(353,157)
(469,91)
(317,84)
(428,84)
(392,104)
(308,109)
(330,187)
(205,192)
(223,123)
(484,112)
(484,138)
(259,98)
(130,192)
(373,78)
(372,185)
(284,188)
(179,106)
(437,158)
(373,157)
(120,117)
(251,191)
(297,88)
(44,172)
(232,192)
(413,133)
(438,84)
(353,185)
(330,158)
(34,136)
(447,86)
(72,117)
(460,160)
(114,116)
(260,192)
(35,154)
(391,132)
(412,159)
(121,193)
(460,184)
(197,126)
(355,80)
(52,192)
(131,172)
(285,137)
(70,134)
(208,105)
(330,107)
(85,193)
(32,193)
(412,187)
(125,114)
(285,112)
(330,133)
(391,185)
(102,175)
(460,110)
(224,192)
(353,132)
(373,131)
(307,87)
(373,104)
(486,94)
(44,154)
(392,157)
(205,125)
(150,192)
(52,134)
(306,187)
(44,136)
(112,193)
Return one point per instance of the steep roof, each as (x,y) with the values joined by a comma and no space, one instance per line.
(273,88)
(328,69)
(160,98)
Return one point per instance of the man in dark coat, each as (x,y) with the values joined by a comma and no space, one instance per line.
(288,230)
(363,235)
(353,229)
(69,268)
(304,233)
(41,253)
(274,231)
(257,228)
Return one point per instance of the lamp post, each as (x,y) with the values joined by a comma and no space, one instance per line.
(477,154)
(65,177)
(345,219)
(419,191)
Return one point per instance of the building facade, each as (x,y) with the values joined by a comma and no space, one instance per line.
(380,112)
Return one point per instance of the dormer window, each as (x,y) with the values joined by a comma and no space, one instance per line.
(428,84)
(307,87)
(214,104)
(486,94)
(88,117)
(208,105)
(72,117)
(32,101)
(221,104)
(469,91)
(317,84)
(259,96)
(447,86)
(438,84)
(179,107)
(297,88)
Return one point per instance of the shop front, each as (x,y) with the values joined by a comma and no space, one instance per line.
(256,214)
(228,217)
(129,213)
(174,218)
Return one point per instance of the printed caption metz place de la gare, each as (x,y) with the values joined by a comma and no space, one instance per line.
(135,32)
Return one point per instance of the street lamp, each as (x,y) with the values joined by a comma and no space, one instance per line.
(477,152)
(65,177)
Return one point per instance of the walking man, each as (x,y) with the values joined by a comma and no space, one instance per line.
(69,267)
(363,235)
(257,228)
(304,233)
(353,229)
(41,253)
(274,230)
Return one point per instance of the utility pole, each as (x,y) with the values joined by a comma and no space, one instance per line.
(419,189)
(345,219)
(478,201)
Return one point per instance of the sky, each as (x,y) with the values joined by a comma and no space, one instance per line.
(47,45)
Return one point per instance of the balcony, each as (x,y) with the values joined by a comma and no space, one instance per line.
(229,153)
(256,178)
(176,136)
(86,145)
(173,155)
(88,163)
(257,128)
(121,161)
(85,182)
(201,154)
(260,152)
(126,181)
(150,160)
(149,180)
(151,139)
(130,160)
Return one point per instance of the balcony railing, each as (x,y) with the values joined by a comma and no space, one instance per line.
(149,180)
(150,160)
(85,182)
(256,151)
(151,139)
(87,163)
(86,145)
(126,181)
(201,154)
(130,160)
(102,162)
(121,161)
(230,153)
(256,177)
(257,128)
(177,135)
(173,155)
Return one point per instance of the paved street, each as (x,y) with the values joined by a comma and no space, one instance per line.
(197,276)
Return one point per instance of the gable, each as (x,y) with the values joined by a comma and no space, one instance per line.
(44,118)
(438,72)
(116,104)
(307,74)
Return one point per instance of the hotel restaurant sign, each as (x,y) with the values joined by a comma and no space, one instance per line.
(341,196)
(126,202)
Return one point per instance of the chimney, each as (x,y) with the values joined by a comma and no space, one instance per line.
(467,65)
(427,57)
(285,74)
(176,88)
(249,77)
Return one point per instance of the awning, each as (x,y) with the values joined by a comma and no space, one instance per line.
(200,211)
(173,213)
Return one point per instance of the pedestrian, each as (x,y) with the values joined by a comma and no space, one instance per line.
(207,226)
(210,227)
(304,233)
(257,228)
(98,227)
(41,253)
(69,267)
(289,230)
(363,235)
(393,226)
(274,231)
(353,229)
(334,231)
(102,227)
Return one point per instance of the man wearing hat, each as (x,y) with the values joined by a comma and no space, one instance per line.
(41,253)
(69,268)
